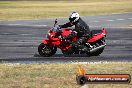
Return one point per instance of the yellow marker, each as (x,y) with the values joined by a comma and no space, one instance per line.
(81,70)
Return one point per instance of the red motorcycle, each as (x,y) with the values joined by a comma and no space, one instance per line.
(56,40)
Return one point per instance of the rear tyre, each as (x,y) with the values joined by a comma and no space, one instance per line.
(97,53)
(45,50)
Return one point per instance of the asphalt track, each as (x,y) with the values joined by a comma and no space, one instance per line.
(19,40)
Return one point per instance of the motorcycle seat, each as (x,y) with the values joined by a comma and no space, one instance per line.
(95,32)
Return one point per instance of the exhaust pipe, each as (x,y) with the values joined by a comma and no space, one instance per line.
(95,49)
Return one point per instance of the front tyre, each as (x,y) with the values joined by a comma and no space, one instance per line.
(45,50)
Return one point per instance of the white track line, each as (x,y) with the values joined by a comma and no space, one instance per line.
(39,25)
(120,19)
(130,18)
(25,34)
(95,62)
(26,25)
(13,24)
(110,20)
(6,33)
(96,21)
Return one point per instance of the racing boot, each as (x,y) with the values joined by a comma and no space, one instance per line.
(83,48)
(77,47)
(80,43)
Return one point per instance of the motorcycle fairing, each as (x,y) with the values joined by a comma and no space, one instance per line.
(45,42)
(66,32)
(48,42)
(97,37)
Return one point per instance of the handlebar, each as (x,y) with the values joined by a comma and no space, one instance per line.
(55,22)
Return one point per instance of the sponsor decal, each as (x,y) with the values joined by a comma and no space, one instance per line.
(83,78)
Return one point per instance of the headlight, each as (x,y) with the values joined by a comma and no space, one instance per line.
(48,35)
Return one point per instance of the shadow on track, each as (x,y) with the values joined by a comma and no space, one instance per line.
(63,55)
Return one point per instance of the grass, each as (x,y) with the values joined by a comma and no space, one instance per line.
(28,10)
(57,75)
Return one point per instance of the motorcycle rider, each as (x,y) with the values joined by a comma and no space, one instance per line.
(81,30)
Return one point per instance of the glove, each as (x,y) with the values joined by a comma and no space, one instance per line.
(60,26)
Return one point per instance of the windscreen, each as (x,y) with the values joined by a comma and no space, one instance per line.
(56,29)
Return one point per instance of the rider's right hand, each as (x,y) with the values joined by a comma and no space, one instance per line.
(60,26)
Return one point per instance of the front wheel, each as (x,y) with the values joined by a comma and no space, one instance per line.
(45,50)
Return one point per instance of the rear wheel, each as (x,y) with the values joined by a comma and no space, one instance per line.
(45,50)
(97,53)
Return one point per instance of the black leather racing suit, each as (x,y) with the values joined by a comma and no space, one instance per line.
(81,30)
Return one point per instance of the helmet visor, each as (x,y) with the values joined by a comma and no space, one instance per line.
(72,19)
